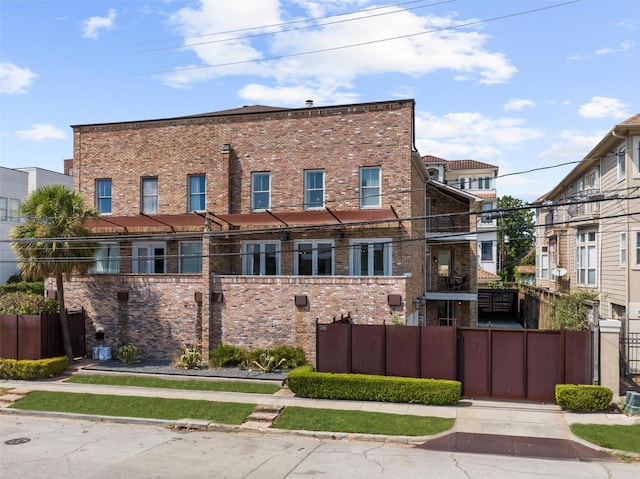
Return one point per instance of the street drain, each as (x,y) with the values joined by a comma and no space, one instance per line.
(19,440)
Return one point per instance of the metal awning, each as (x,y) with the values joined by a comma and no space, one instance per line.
(308,218)
(156,223)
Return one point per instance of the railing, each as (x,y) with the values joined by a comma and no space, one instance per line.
(584,203)
(458,281)
(630,352)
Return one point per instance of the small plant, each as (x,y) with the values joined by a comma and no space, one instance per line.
(190,358)
(128,353)
(226,355)
(267,362)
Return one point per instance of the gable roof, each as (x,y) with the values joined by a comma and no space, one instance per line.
(468,165)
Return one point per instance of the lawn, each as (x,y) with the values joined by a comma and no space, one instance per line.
(193,384)
(624,438)
(132,406)
(310,419)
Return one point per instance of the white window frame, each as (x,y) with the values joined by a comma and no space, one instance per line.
(190,262)
(146,263)
(542,262)
(199,196)
(107,259)
(311,187)
(635,155)
(316,246)
(371,244)
(149,198)
(370,192)
(586,258)
(636,260)
(491,257)
(249,254)
(255,184)
(486,218)
(101,197)
(621,155)
(623,249)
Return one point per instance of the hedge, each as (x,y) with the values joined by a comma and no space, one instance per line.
(583,397)
(32,369)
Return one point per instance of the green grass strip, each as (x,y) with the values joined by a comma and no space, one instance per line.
(310,419)
(132,406)
(624,438)
(191,384)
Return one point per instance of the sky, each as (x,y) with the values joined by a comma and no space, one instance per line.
(528,86)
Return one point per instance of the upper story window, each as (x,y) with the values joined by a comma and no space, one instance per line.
(261,258)
(107,259)
(621,155)
(313,258)
(462,183)
(486,251)
(190,257)
(370,187)
(635,153)
(637,248)
(260,191)
(371,257)
(197,193)
(586,255)
(623,249)
(484,183)
(9,210)
(313,189)
(103,195)
(149,257)
(149,195)
(542,262)
(486,217)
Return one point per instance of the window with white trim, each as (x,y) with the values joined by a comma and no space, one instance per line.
(107,259)
(261,258)
(621,155)
(637,248)
(586,255)
(635,155)
(542,262)
(197,192)
(313,258)
(14,210)
(486,251)
(149,257)
(190,257)
(4,208)
(260,191)
(370,187)
(149,195)
(623,249)
(370,257)
(103,196)
(486,218)
(313,189)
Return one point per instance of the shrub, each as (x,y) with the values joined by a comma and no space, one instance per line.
(128,353)
(583,397)
(225,355)
(305,382)
(20,302)
(285,357)
(190,358)
(34,287)
(27,369)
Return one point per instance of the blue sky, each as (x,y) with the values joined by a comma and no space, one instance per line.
(523,85)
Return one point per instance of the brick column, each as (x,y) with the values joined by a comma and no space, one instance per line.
(610,354)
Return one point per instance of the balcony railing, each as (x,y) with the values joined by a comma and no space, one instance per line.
(585,203)
(457,282)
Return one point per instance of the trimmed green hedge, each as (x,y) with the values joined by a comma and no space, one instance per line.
(583,397)
(32,369)
(305,382)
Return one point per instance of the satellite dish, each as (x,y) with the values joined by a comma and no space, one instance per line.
(558,271)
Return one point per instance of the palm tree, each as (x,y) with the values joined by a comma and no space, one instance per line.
(49,242)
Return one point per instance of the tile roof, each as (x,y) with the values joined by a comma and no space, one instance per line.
(484,274)
(433,159)
(468,165)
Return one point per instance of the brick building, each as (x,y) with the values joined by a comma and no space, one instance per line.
(247,226)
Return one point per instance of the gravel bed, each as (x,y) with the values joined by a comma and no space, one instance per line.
(167,367)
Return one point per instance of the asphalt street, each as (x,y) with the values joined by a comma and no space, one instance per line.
(48,447)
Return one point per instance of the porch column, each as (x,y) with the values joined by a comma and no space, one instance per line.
(610,354)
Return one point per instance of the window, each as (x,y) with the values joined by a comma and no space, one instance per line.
(484,183)
(149,198)
(103,196)
(371,257)
(107,259)
(197,196)
(149,257)
(260,191)
(190,257)
(370,187)
(486,251)
(4,209)
(313,189)
(586,258)
(463,183)
(637,235)
(261,258)
(635,152)
(445,266)
(313,258)
(622,162)
(486,218)
(623,249)
(14,210)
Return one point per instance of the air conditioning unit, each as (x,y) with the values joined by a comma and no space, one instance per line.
(632,403)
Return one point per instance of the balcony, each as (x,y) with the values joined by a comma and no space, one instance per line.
(460,286)
(586,203)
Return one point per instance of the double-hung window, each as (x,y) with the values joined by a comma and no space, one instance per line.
(486,251)
(637,247)
(190,257)
(261,258)
(621,155)
(635,155)
(586,256)
(103,196)
(370,187)
(313,189)
(371,257)
(260,190)
(313,258)
(107,259)
(623,249)
(542,262)
(197,192)
(149,196)
(149,257)
(486,217)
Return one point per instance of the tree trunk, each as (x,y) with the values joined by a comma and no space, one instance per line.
(64,324)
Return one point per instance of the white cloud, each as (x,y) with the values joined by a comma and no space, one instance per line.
(603,107)
(623,47)
(41,132)
(571,145)
(517,104)
(14,79)
(91,26)
(281,54)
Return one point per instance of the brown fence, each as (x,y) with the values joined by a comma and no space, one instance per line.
(40,336)
(501,363)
